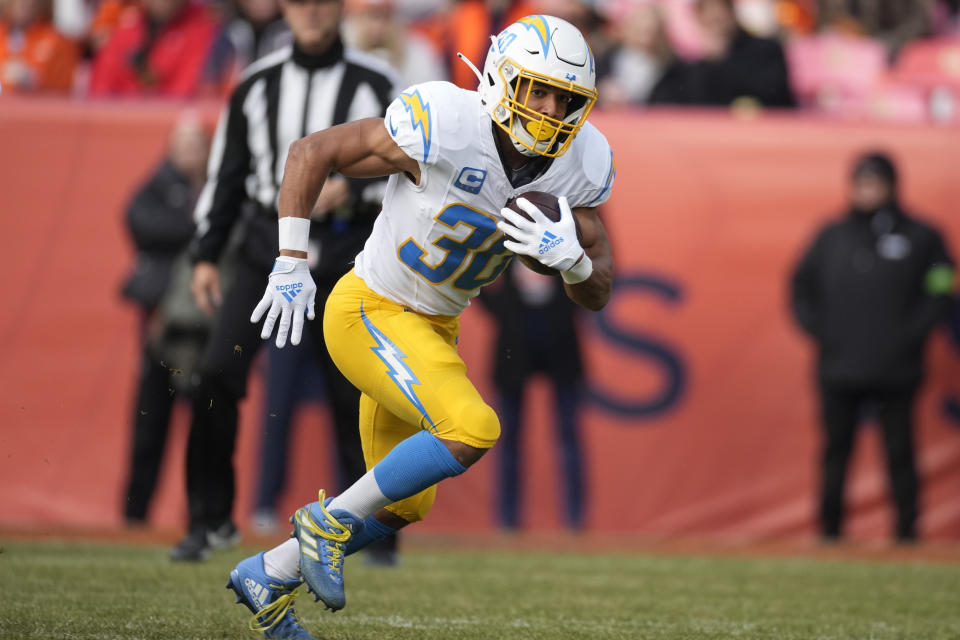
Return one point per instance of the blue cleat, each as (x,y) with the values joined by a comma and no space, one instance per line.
(323,537)
(270,600)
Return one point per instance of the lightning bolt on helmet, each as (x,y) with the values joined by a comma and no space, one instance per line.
(546,50)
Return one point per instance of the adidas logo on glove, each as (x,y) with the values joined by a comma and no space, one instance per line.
(290,291)
(549,241)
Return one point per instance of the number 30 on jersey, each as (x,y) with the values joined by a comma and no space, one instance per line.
(459,252)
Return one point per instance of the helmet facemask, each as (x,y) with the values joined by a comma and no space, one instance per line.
(534,133)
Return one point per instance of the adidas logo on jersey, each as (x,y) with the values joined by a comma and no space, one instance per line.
(549,241)
(258,592)
(290,291)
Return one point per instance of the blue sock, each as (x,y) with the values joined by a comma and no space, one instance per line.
(418,462)
(372,531)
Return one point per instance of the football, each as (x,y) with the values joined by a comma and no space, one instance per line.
(548,204)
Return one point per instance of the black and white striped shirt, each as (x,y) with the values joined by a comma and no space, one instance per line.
(281,98)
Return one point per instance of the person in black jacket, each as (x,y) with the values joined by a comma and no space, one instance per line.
(286,95)
(160,222)
(644,69)
(735,64)
(951,405)
(533,315)
(869,290)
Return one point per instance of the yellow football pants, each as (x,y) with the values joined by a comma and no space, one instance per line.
(411,377)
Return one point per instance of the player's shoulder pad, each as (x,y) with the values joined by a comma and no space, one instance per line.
(593,167)
(430,116)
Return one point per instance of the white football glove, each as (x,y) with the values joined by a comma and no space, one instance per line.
(290,294)
(554,244)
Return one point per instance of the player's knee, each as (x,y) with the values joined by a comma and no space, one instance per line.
(478,425)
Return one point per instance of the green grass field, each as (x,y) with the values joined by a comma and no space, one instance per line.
(107,591)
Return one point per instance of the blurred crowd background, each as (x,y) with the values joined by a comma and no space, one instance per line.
(887,59)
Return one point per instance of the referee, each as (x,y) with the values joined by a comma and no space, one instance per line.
(311,85)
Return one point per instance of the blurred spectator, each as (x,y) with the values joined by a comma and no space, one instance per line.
(893,22)
(71,18)
(372,26)
(869,290)
(955,322)
(34,56)
(680,17)
(643,68)
(946,17)
(159,47)
(413,10)
(735,65)
(314,84)
(255,29)
(951,405)
(797,16)
(776,18)
(160,221)
(758,17)
(533,316)
(465,26)
(105,21)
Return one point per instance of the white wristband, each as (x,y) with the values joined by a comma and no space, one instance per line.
(580,271)
(294,233)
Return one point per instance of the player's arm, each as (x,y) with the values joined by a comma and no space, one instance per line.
(594,292)
(358,149)
(361,148)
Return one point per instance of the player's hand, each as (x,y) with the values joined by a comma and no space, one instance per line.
(290,294)
(205,287)
(554,244)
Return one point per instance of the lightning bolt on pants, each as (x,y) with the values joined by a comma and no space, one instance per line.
(407,367)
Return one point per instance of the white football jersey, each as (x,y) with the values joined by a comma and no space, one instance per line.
(435,244)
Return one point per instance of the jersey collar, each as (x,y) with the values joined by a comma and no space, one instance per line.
(522,176)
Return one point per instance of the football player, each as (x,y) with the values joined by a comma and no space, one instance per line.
(455,157)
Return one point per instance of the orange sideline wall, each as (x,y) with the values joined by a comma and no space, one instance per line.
(703,420)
